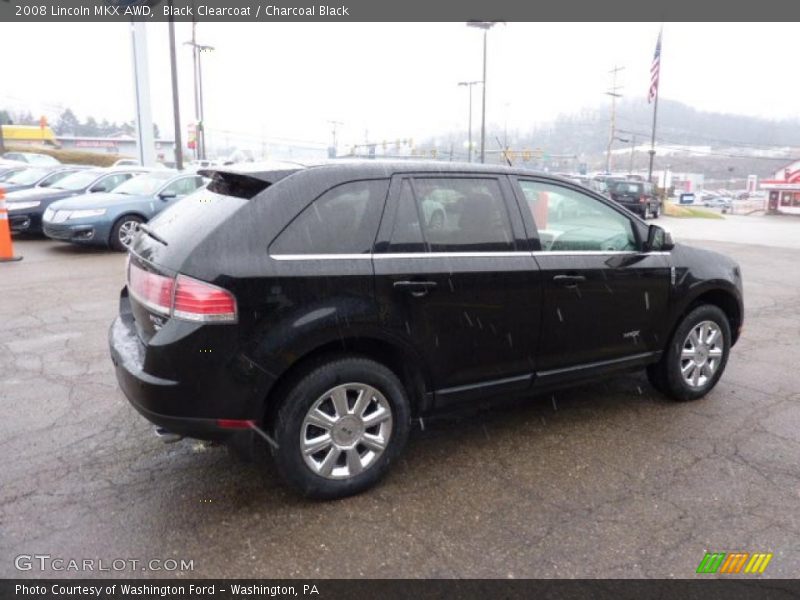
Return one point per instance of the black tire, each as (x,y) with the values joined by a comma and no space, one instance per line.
(657,211)
(666,375)
(288,427)
(115,240)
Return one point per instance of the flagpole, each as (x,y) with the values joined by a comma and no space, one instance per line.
(655,111)
(653,139)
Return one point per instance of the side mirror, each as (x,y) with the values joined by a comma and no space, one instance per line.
(167,195)
(98,188)
(658,239)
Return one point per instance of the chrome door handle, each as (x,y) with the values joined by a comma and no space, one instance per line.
(415,288)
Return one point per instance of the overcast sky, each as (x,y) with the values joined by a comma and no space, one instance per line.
(395,80)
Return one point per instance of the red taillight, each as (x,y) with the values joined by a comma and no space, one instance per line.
(642,199)
(151,289)
(200,301)
(182,297)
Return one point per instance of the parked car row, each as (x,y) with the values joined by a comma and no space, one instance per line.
(87,205)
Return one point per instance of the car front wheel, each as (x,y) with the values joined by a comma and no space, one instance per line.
(123,232)
(340,427)
(696,356)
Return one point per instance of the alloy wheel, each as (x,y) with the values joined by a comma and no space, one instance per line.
(346,430)
(127,231)
(701,354)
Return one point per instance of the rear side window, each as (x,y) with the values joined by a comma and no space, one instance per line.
(344,220)
(440,214)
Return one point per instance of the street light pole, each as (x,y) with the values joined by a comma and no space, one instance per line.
(176,113)
(200,142)
(614,95)
(486,26)
(468,85)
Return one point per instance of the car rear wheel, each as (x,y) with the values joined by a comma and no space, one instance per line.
(657,211)
(123,232)
(696,356)
(340,427)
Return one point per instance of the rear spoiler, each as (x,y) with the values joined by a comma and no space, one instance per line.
(242,185)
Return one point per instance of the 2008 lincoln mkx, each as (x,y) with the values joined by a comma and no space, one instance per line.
(327,305)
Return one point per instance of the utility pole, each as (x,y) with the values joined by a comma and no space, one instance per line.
(176,112)
(198,136)
(485,26)
(613,92)
(333,151)
(199,113)
(468,85)
(633,146)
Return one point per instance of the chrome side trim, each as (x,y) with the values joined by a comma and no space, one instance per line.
(416,255)
(321,256)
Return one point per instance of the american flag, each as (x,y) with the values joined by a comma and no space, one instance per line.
(654,71)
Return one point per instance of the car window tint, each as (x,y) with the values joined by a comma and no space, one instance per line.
(406,232)
(344,220)
(568,220)
(463,214)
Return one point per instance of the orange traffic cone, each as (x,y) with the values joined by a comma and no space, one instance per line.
(6,247)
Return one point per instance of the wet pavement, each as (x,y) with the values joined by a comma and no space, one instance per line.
(606,480)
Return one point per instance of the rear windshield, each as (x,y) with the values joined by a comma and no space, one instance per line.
(622,187)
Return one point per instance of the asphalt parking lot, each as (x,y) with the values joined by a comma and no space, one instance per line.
(606,480)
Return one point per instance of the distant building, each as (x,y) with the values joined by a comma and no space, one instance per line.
(783,190)
(122,144)
(682,183)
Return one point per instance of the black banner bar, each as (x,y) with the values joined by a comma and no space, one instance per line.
(735,588)
(405,10)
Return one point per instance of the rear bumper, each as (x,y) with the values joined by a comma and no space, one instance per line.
(190,405)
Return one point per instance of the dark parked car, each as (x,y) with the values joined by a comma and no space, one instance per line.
(26,207)
(316,306)
(112,218)
(637,196)
(36,177)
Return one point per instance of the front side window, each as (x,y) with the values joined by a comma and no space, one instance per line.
(568,220)
(344,220)
(452,214)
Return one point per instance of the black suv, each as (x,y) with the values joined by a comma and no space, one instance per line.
(324,307)
(637,196)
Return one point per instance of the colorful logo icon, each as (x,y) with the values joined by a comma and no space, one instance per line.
(734,562)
